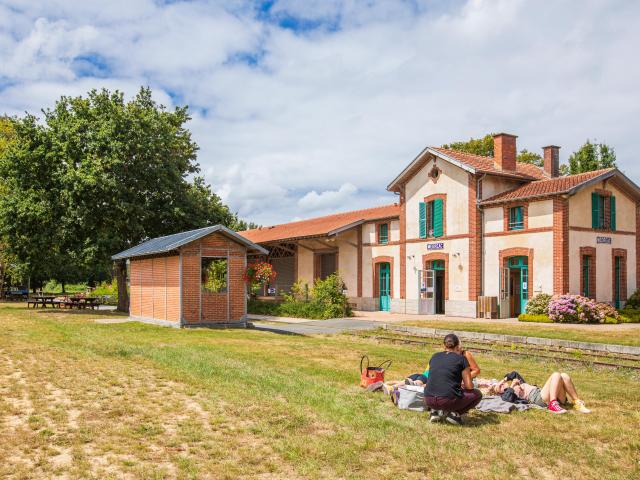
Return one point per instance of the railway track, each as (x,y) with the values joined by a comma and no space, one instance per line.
(530,351)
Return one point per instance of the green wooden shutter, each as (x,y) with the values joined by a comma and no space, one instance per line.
(437,218)
(422,219)
(612,217)
(595,210)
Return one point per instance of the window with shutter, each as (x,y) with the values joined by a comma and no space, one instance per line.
(422,219)
(612,213)
(516,218)
(603,211)
(595,210)
(383,233)
(438,218)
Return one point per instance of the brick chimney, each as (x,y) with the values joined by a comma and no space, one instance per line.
(504,151)
(552,160)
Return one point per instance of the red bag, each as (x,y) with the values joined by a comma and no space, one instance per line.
(370,375)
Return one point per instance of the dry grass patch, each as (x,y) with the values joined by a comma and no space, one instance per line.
(87,400)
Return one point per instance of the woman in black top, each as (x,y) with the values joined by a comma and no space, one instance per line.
(443,394)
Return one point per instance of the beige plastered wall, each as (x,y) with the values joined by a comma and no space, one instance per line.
(458,250)
(542,245)
(370,234)
(347,243)
(454,182)
(493,185)
(371,252)
(580,208)
(604,262)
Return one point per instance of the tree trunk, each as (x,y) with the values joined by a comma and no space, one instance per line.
(121,279)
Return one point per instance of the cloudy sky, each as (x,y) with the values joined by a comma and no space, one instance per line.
(305,107)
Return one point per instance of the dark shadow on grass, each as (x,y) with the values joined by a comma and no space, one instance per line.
(274,329)
(66,311)
(482,418)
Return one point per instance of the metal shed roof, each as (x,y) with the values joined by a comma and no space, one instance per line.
(171,242)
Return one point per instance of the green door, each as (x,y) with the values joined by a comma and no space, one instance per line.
(384,277)
(521,263)
(616,294)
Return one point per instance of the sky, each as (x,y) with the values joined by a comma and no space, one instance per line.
(307,107)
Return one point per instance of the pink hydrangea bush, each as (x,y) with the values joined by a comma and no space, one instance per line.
(574,309)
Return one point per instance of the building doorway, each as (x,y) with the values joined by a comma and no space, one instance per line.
(617,281)
(518,278)
(384,286)
(327,265)
(439,279)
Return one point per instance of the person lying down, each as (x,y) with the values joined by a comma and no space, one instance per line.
(558,389)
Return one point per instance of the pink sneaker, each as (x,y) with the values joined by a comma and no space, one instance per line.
(554,407)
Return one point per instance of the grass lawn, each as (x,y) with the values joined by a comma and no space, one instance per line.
(80,399)
(622,334)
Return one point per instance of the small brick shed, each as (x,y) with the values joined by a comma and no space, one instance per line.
(190,278)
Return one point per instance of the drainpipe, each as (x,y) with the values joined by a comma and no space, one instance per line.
(481,219)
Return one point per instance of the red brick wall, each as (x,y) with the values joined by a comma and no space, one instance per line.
(207,307)
(173,288)
(505,151)
(475,241)
(154,288)
(561,246)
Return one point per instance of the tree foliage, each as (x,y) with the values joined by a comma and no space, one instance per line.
(97,176)
(484,146)
(592,156)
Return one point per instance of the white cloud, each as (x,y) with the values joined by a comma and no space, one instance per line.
(349,106)
(334,199)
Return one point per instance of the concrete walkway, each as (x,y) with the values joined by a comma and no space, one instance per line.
(311,327)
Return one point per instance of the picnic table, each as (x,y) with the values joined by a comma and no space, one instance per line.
(43,301)
(82,302)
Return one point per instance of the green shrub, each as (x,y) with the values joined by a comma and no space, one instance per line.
(538,305)
(629,315)
(109,291)
(325,300)
(526,317)
(634,300)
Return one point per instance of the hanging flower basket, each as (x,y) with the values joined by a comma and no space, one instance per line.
(260,273)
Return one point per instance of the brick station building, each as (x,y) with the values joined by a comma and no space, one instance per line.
(467,226)
(190,279)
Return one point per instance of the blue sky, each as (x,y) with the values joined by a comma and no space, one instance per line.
(305,107)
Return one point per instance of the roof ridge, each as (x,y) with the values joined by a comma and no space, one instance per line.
(578,178)
(331,215)
(486,157)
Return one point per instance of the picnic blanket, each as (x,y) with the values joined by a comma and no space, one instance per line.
(494,403)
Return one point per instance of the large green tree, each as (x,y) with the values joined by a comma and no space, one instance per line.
(592,156)
(97,176)
(484,146)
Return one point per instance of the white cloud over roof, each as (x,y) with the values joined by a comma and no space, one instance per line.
(295,98)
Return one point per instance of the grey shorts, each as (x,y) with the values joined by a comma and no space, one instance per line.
(535,397)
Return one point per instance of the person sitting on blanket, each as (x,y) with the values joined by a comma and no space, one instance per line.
(557,389)
(449,392)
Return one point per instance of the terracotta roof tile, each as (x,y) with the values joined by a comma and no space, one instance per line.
(319,226)
(487,165)
(551,186)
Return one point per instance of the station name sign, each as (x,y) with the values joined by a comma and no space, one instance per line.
(606,240)
(435,246)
